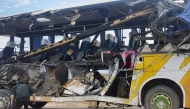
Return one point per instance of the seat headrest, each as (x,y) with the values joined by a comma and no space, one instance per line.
(87,39)
(109,36)
(45,42)
(96,43)
(11,44)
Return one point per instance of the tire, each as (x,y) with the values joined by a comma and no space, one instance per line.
(38,105)
(161,97)
(6,91)
(5,99)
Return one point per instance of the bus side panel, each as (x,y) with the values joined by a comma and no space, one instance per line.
(185,81)
(149,65)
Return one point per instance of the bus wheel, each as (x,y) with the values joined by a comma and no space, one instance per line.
(4,99)
(38,105)
(161,97)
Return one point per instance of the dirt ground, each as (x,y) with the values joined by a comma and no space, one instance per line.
(76,104)
(81,105)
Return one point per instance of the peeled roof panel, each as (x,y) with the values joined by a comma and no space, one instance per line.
(94,3)
(88,3)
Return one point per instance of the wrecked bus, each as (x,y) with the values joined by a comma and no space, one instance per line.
(155,77)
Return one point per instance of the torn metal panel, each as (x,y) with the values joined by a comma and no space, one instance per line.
(134,2)
(185,47)
(146,49)
(78,85)
(75,86)
(94,92)
(110,81)
(174,5)
(75,71)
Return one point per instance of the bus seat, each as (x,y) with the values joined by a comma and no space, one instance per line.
(109,42)
(43,56)
(46,55)
(45,42)
(115,44)
(7,52)
(83,49)
(63,50)
(95,46)
(85,45)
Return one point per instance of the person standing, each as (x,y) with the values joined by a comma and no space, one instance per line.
(20,95)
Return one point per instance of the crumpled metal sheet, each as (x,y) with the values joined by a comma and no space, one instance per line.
(75,86)
(78,85)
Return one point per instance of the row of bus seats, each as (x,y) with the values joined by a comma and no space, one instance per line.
(86,48)
(82,50)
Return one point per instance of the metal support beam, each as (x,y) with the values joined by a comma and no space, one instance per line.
(31,43)
(102,39)
(51,38)
(12,38)
(120,37)
(143,31)
(37,42)
(66,35)
(21,45)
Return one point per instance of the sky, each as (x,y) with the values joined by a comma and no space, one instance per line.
(11,7)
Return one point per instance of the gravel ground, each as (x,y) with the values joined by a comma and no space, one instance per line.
(81,105)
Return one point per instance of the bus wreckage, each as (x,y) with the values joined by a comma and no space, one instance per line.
(156,77)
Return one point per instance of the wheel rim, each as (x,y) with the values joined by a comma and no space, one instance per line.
(4,102)
(161,102)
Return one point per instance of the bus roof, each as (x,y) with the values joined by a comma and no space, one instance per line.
(72,18)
